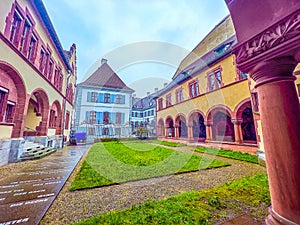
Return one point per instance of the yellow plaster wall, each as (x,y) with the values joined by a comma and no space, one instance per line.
(220,33)
(5,131)
(229,95)
(32,121)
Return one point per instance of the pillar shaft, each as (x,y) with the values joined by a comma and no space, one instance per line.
(280,118)
(237,130)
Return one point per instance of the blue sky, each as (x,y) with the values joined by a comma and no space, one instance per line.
(124,29)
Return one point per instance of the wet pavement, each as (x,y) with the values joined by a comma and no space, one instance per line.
(26,195)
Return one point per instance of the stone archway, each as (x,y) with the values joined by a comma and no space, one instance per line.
(180,124)
(17,95)
(37,114)
(170,130)
(196,121)
(55,118)
(160,128)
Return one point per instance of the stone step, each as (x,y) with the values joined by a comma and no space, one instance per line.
(36,154)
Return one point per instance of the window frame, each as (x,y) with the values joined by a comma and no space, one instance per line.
(212,79)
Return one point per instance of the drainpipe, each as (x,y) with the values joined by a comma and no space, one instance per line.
(64,111)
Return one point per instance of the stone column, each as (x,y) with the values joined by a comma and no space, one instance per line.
(237,130)
(166,131)
(280,118)
(208,125)
(190,134)
(176,132)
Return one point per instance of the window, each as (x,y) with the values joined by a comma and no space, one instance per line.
(148,113)
(179,95)
(132,114)
(106,98)
(152,112)
(255,103)
(50,70)
(118,99)
(42,59)
(52,119)
(160,103)
(91,131)
(141,115)
(118,118)
(118,131)
(32,48)
(106,118)
(135,114)
(3,100)
(145,114)
(168,100)
(92,117)
(15,27)
(67,120)
(194,89)
(25,36)
(214,79)
(9,112)
(241,75)
(94,96)
(105,131)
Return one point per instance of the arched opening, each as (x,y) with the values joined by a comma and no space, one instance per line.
(248,128)
(12,99)
(223,128)
(160,128)
(182,127)
(198,127)
(170,126)
(37,114)
(245,115)
(55,119)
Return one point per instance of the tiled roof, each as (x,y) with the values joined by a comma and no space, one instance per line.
(104,76)
(204,62)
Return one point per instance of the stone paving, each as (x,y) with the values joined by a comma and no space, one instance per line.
(26,194)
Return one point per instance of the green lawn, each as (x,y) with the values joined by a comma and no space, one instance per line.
(229,154)
(166,143)
(197,207)
(117,162)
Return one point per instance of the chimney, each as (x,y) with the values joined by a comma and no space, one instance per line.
(103,61)
(156,89)
(165,84)
(148,93)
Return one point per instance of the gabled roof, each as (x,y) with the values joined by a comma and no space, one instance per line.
(104,76)
(144,103)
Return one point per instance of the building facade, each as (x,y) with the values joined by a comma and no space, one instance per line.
(209,99)
(37,79)
(143,114)
(103,105)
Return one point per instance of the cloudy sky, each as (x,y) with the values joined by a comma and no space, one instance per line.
(143,40)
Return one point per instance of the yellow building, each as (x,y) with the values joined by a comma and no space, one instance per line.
(209,100)
(37,80)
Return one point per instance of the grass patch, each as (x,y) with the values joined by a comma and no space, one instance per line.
(166,143)
(210,206)
(115,162)
(229,154)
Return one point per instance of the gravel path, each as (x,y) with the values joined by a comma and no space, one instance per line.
(74,206)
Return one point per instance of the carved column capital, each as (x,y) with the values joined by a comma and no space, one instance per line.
(274,70)
(236,121)
(208,123)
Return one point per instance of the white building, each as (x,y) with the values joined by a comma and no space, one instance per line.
(103,105)
(144,114)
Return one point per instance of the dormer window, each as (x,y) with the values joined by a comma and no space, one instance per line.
(223,48)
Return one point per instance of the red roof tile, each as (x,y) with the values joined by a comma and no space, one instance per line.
(104,76)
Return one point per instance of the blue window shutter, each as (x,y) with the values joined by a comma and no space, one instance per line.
(123,99)
(113,117)
(89,97)
(101,97)
(101,117)
(122,118)
(112,98)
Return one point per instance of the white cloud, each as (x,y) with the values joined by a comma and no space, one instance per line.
(100,26)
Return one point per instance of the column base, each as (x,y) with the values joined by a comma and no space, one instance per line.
(275,219)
